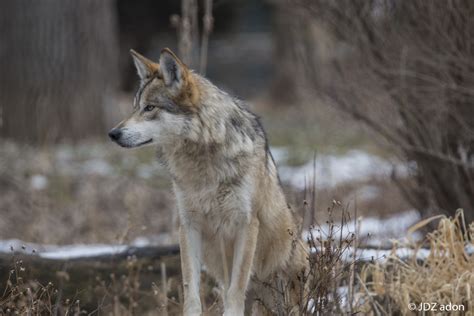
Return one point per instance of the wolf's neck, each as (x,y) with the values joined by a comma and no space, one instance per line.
(206,162)
(217,139)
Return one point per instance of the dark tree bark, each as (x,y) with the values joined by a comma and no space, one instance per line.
(58,66)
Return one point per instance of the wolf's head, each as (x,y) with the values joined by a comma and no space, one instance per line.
(167,96)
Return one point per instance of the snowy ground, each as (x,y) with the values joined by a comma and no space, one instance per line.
(329,170)
(374,232)
(71,252)
(75,251)
(333,170)
(380,230)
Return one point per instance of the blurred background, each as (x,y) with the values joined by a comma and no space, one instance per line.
(369,103)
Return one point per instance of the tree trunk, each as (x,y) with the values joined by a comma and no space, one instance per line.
(58,65)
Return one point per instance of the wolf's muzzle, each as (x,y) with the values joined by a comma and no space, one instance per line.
(115,134)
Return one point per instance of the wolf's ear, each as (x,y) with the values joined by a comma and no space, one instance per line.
(145,67)
(172,69)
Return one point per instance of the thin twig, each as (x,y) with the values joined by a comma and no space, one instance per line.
(208,22)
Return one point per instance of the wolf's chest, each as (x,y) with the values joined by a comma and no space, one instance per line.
(215,209)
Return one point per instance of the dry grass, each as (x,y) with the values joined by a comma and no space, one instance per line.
(319,288)
(445,276)
(27,296)
(337,286)
(135,286)
(333,285)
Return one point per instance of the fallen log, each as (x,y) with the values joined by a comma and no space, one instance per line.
(87,276)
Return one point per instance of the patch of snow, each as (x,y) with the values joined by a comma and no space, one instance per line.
(141,242)
(60,252)
(161,239)
(373,231)
(10,245)
(96,166)
(332,170)
(311,306)
(38,182)
(470,248)
(79,250)
(381,255)
(82,251)
(343,295)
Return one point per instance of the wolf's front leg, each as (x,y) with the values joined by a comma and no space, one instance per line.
(244,250)
(190,248)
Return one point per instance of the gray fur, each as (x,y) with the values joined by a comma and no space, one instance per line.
(231,207)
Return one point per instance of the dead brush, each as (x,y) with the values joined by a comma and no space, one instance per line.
(23,296)
(445,276)
(131,293)
(122,294)
(324,289)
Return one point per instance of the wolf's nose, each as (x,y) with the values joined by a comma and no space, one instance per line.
(115,134)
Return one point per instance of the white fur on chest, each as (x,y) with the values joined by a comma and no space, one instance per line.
(216,209)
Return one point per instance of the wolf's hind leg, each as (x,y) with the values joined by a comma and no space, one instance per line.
(244,250)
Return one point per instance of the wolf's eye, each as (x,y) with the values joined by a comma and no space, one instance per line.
(148,108)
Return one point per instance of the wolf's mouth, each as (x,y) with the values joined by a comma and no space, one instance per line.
(144,143)
(128,145)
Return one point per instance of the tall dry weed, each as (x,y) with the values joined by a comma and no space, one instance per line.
(444,276)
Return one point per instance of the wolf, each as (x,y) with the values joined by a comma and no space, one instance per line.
(234,220)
